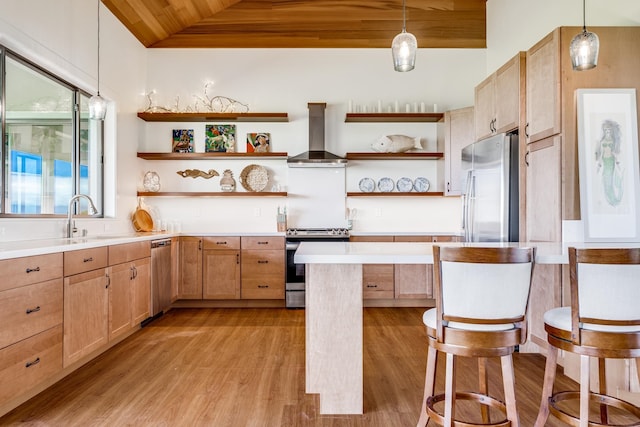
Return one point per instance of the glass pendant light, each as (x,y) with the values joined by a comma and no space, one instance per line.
(97,104)
(584,47)
(404,47)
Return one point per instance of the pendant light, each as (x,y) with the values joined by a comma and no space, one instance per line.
(97,104)
(404,47)
(584,47)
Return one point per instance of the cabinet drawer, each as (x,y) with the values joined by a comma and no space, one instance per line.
(27,270)
(29,362)
(262,288)
(259,263)
(29,310)
(85,260)
(377,281)
(221,242)
(253,242)
(129,252)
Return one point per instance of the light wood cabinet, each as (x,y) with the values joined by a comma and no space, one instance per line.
(29,270)
(377,279)
(141,291)
(459,132)
(262,267)
(83,260)
(221,268)
(120,308)
(543,88)
(175,267)
(86,314)
(190,283)
(499,98)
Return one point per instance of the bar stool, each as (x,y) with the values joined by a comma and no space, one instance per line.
(603,322)
(481,296)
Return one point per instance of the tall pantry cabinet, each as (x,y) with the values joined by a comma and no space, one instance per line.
(551,157)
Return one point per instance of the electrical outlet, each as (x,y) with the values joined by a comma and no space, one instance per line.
(256,211)
(378,212)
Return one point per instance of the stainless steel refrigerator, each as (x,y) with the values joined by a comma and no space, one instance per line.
(490,189)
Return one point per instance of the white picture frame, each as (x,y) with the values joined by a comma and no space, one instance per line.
(608,165)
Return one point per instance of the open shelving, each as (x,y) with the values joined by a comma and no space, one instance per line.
(210,156)
(205,117)
(394,117)
(213,193)
(395,194)
(395,156)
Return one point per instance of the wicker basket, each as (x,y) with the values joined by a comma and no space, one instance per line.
(254,178)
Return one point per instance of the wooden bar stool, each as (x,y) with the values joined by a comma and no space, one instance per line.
(603,322)
(481,295)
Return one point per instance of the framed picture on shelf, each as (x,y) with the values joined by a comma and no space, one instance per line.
(220,138)
(608,154)
(182,141)
(258,142)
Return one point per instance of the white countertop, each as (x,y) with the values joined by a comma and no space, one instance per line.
(421,253)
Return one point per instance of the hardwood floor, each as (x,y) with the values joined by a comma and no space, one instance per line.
(245,367)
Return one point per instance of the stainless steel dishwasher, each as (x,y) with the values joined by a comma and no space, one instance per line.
(160,276)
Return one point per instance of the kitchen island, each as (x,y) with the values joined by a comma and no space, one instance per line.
(334,335)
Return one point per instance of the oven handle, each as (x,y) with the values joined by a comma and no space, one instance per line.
(291,246)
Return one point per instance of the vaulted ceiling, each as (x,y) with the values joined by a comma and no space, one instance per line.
(301,23)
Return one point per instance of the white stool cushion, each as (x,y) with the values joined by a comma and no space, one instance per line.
(560,318)
(429,319)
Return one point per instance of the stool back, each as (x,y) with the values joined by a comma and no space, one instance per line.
(482,285)
(605,289)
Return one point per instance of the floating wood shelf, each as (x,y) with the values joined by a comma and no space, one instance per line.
(394,117)
(209,156)
(395,194)
(213,194)
(206,117)
(395,156)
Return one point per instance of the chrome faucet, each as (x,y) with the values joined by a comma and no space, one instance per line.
(92,210)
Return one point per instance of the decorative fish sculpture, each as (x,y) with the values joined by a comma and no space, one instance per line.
(194,173)
(396,144)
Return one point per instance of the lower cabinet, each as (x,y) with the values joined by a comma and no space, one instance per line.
(262,267)
(221,268)
(129,295)
(377,279)
(86,314)
(190,282)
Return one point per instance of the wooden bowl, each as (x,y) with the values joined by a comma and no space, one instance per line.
(142,220)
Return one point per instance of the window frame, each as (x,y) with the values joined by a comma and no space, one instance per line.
(77,94)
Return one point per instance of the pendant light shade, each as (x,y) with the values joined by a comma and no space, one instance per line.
(97,104)
(584,47)
(404,47)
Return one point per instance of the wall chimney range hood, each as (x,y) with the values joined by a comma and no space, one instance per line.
(317,156)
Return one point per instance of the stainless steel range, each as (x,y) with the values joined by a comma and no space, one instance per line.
(295,276)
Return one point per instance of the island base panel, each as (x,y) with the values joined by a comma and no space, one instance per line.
(334,357)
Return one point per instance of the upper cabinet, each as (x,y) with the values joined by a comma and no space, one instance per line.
(498,99)
(458,134)
(543,88)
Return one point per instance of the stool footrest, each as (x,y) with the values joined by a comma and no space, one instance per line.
(600,399)
(482,399)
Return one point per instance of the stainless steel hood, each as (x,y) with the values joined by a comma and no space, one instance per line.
(317,156)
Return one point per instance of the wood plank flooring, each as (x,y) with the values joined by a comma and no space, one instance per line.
(245,367)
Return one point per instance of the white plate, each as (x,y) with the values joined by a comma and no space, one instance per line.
(404,185)
(421,184)
(385,185)
(367,185)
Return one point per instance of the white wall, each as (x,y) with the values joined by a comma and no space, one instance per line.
(515,25)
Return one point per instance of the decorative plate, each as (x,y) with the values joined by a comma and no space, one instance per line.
(421,184)
(254,178)
(404,185)
(385,185)
(367,185)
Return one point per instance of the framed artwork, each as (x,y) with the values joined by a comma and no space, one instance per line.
(182,141)
(220,138)
(608,161)
(258,142)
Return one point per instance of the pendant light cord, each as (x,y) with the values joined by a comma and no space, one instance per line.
(584,16)
(404,16)
(98,47)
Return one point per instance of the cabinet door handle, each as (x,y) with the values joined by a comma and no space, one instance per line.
(31,270)
(526,130)
(448,187)
(221,243)
(526,158)
(108,281)
(34,362)
(88,259)
(263,261)
(263,243)
(237,258)
(33,310)
(263,286)
(371,286)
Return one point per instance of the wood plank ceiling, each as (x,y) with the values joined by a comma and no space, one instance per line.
(301,23)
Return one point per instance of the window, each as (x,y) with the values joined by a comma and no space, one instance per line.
(50,148)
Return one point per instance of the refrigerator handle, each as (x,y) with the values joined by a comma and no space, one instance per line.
(465,207)
(471,207)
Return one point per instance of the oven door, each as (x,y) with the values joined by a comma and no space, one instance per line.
(294,285)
